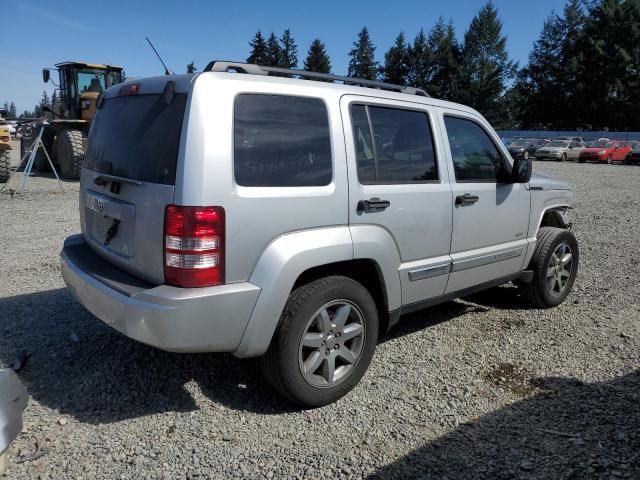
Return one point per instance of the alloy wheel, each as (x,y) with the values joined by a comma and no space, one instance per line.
(559,269)
(332,343)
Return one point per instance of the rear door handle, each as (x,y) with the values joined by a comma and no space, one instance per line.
(373,205)
(466,199)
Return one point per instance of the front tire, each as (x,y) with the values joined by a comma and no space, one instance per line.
(70,153)
(563,158)
(324,343)
(609,160)
(5,166)
(555,267)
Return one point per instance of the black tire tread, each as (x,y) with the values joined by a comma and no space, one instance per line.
(273,362)
(545,242)
(5,166)
(70,167)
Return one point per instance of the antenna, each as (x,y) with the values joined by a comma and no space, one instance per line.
(166,70)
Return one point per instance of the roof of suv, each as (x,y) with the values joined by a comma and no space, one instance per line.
(183,82)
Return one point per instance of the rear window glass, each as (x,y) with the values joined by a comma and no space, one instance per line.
(137,137)
(281,141)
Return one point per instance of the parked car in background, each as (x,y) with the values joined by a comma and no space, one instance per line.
(525,147)
(560,150)
(575,139)
(634,155)
(12,128)
(604,150)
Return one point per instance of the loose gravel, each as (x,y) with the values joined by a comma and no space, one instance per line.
(484,387)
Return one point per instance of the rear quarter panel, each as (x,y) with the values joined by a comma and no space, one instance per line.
(255,216)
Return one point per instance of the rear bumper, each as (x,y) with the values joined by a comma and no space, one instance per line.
(211,319)
(13,400)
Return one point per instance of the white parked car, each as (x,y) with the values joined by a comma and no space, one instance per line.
(560,150)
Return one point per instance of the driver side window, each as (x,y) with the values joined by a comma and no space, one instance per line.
(475,157)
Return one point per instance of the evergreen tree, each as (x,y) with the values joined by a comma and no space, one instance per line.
(538,85)
(289,50)
(44,102)
(191,68)
(419,66)
(317,58)
(485,64)
(259,52)
(444,59)
(362,62)
(396,62)
(12,111)
(609,66)
(274,52)
(6,107)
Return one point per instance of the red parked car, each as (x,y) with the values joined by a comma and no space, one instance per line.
(605,151)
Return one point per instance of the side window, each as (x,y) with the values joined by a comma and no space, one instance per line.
(281,141)
(475,157)
(393,145)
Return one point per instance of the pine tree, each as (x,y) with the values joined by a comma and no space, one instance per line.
(191,68)
(609,65)
(419,57)
(396,62)
(6,107)
(444,60)
(485,63)
(259,52)
(538,84)
(274,52)
(289,50)
(362,63)
(12,111)
(317,58)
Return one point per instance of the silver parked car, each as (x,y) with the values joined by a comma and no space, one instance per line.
(13,400)
(560,150)
(297,220)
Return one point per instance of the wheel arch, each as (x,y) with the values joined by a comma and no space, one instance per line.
(298,257)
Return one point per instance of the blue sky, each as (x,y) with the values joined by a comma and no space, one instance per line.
(39,33)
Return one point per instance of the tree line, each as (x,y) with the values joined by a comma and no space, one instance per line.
(582,73)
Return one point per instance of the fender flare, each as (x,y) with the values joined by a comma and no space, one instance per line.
(290,255)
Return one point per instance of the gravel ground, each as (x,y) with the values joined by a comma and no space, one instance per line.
(477,388)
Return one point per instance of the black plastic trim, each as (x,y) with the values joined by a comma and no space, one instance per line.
(86,260)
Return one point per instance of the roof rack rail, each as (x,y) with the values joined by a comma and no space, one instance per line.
(253,69)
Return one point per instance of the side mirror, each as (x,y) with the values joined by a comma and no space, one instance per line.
(521,172)
(46,75)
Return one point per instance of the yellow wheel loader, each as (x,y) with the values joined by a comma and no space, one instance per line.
(5,147)
(65,136)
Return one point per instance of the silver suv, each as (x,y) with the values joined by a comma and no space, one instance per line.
(250,210)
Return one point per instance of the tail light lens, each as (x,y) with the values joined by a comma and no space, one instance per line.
(194,246)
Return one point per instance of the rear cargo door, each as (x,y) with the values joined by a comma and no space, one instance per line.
(128,176)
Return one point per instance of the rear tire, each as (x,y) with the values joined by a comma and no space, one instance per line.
(70,153)
(5,166)
(324,343)
(555,267)
(609,160)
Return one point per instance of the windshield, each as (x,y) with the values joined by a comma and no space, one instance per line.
(600,144)
(91,81)
(559,143)
(520,143)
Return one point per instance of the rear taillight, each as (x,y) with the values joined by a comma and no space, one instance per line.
(194,246)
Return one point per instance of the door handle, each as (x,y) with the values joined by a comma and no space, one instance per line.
(466,199)
(373,205)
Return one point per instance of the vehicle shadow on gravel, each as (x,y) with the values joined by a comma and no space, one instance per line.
(77,365)
(568,430)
